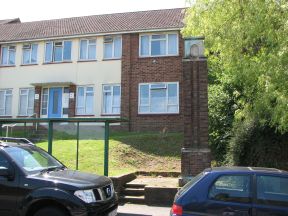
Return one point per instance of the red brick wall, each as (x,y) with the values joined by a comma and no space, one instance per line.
(72,101)
(137,70)
(37,102)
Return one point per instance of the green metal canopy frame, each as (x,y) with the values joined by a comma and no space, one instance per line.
(51,121)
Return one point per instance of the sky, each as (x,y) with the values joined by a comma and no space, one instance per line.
(33,10)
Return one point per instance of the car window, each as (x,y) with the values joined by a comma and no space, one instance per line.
(231,188)
(272,190)
(3,162)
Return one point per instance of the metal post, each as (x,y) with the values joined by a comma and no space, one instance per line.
(0,129)
(50,136)
(106,149)
(25,129)
(77,153)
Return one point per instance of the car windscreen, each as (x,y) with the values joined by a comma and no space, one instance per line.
(32,159)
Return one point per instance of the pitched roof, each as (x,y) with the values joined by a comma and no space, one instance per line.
(97,24)
(8,21)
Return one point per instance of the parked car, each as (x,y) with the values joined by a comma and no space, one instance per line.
(237,191)
(33,183)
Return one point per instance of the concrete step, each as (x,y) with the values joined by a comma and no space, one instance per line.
(133,199)
(134,185)
(133,192)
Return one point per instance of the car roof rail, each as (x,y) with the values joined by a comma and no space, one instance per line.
(17,140)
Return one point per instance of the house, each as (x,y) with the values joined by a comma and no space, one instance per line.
(114,65)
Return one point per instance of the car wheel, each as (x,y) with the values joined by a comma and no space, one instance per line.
(50,211)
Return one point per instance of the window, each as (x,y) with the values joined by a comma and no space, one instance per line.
(4,162)
(88,49)
(158,45)
(44,101)
(26,104)
(58,51)
(29,54)
(158,98)
(85,96)
(5,102)
(272,190)
(232,188)
(8,55)
(111,99)
(112,47)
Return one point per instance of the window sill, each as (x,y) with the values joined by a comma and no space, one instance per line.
(28,64)
(111,59)
(110,114)
(5,116)
(84,115)
(158,114)
(4,66)
(64,62)
(161,56)
(87,60)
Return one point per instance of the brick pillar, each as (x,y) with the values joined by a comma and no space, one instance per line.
(125,80)
(72,101)
(195,152)
(37,101)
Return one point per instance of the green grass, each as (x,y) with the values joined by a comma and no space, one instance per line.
(128,152)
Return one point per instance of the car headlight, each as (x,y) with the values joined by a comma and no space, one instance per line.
(85,195)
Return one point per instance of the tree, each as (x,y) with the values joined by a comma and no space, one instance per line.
(247,48)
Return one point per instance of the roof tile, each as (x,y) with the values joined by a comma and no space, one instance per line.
(97,24)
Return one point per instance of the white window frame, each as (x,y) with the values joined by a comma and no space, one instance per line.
(5,101)
(9,49)
(149,103)
(30,57)
(87,49)
(150,44)
(42,107)
(27,108)
(85,97)
(113,46)
(53,51)
(112,95)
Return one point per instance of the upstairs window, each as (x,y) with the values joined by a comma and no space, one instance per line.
(59,51)
(158,45)
(26,103)
(88,49)
(8,55)
(29,54)
(112,47)
(84,100)
(157,98)
(111,99)
(5,102)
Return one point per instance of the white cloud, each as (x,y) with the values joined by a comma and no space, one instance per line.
(32,10)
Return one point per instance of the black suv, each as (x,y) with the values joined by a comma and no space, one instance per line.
(33,183)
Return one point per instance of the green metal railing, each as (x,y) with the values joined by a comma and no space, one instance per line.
(51,121)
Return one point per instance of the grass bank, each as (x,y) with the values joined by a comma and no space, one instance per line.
(128,152)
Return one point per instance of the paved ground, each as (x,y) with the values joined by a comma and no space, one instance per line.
(142,210)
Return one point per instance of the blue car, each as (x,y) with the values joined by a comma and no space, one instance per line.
(234,191)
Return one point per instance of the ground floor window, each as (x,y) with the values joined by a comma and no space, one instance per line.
(5,102)
(111,99)
(44,101)
(26,102)
(158,98)
(84,100)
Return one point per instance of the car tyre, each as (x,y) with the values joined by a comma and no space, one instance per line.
(52,211)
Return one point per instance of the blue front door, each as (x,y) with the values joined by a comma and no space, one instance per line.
(55,103)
